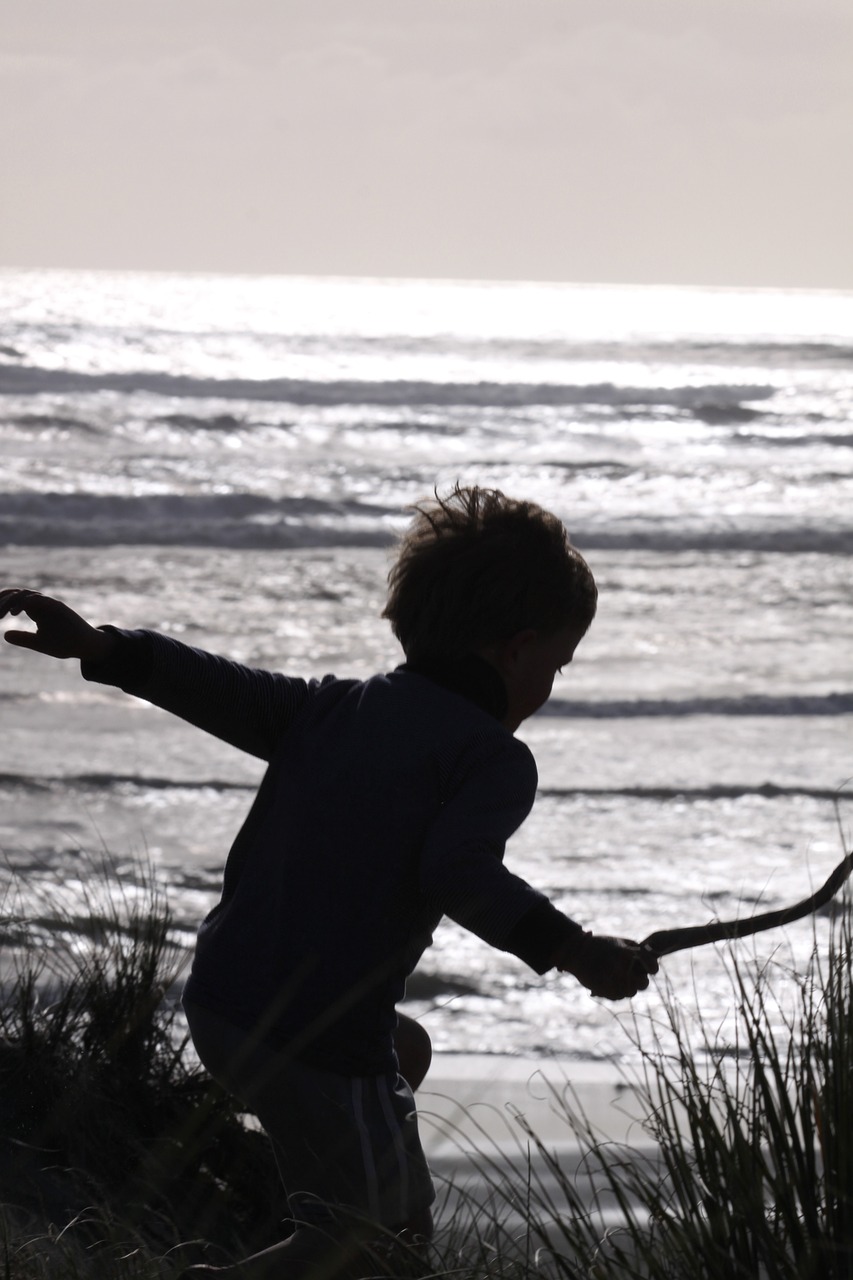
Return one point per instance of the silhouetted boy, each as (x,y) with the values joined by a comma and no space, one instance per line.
(387,804)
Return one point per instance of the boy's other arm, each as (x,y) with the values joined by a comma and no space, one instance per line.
(60,632)
(610,967)
(246,708)
(463,876)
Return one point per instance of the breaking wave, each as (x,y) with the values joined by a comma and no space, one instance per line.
(20,380)
(128,783)
(251,521)
(829,704)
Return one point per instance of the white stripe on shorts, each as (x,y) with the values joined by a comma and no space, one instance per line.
(399,1145)
(370,1173)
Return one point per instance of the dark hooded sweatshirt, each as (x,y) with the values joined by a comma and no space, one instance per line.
(386,804)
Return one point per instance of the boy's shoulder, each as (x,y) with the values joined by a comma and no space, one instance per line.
(403,721)
(404,696)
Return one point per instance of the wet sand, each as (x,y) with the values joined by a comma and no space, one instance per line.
(474,1099)
(477,1117)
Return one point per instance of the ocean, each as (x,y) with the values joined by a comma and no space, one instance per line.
(229,459)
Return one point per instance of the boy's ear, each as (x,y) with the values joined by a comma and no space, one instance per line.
(506,654)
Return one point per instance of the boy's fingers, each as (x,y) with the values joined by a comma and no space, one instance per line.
(7,600)
(642,959)
(635,976)
(648,960)
(15,599)
(25,639)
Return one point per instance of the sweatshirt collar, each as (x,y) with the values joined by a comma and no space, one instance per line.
(472,677)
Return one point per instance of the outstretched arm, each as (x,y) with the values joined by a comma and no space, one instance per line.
(60,632)
(248,709)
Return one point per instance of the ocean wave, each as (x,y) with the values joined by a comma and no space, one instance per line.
(828,704)
(225,422)
(140,783)
(247,521)
(37,784)
(51,423)
(21,380)
(716,791)
(748,352)
(739,351)
(804,539)
(794,439)
(242,520)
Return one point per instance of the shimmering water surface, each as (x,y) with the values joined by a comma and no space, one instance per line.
(229,460)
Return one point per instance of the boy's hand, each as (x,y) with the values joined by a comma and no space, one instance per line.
(610,967)
(60,633)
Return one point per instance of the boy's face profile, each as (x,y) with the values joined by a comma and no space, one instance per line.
(528,663)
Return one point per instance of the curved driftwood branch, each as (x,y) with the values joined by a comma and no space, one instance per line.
(665,941)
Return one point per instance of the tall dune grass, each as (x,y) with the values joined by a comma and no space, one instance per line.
(119,1158)
(743,1167)
(111,1137)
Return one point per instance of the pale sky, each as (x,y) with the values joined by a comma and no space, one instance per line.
(657,141)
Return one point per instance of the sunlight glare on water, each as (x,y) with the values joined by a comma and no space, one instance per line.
(227,459)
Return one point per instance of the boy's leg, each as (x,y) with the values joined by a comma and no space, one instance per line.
(414,1051)
(414,1054)
(338,1141)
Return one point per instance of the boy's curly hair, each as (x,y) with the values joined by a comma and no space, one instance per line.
(476,567)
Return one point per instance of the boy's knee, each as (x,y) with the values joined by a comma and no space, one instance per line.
(414,1050)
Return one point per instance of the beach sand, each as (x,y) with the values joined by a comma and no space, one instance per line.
(476,1097)
(475,1110)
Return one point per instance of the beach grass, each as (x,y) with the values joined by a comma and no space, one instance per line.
(111,1137)
(748,1168)
(120,1158)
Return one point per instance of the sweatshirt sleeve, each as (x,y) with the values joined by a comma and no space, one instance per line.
(462,871)
(248,708)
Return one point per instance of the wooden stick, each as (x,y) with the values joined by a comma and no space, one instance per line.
(665,941)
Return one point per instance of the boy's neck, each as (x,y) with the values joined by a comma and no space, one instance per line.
(472,677)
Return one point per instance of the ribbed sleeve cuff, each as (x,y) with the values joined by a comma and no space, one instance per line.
(129,665)
(540,934)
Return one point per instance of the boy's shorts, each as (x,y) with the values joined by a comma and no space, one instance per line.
(340,1141)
